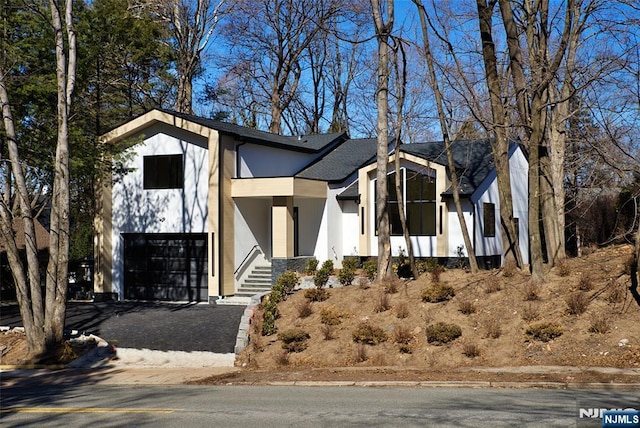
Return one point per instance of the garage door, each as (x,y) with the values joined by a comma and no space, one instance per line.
(169,267)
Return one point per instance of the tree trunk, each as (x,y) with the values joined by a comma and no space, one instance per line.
(57,268)
(473,264)
(383,31)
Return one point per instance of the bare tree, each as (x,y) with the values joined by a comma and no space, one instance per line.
(44,324)
(445,135)
(193,24)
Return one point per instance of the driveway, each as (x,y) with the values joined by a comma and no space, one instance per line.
(157,326)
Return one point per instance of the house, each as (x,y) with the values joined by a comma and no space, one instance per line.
(209,209)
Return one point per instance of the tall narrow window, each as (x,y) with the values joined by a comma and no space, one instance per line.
(163,172)
(489,216)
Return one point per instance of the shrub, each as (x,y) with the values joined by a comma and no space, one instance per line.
(391,285)
(269,322)
(531,312)
(471,350)
(615,291)
(288,281)
(531,292)
(328,266)
(544,331)
(360,354)
(577,303)
(294,340)
(383,303)
(585,283)
(493,328)
(509,268)
(438,293)
(402,335)
(363,282)
(402,310)
(311,266)
(600,323)
(350,263)
(492,284)
(563,267)
(435,273)
(328,332)
(467,307)
(282,358)
(304,309)
(321,277)
(346,275)
(370,268)
(442,333)
(332,316)
(367,334)
(316,294)
(426,265)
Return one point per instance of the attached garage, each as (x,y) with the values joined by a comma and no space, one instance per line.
(167,266)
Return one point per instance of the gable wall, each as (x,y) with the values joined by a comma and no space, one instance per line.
(260,161)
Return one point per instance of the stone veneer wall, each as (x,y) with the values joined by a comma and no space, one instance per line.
(280,266)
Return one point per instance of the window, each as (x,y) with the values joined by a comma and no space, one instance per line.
(420,202)
(163,172)
(489,216)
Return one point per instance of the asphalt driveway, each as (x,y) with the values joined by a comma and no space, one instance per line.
(157,326)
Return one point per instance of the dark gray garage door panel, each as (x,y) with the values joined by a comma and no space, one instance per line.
(170,267)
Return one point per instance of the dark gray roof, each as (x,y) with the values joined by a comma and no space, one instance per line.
(472,158)
(350,193)
(337,165)
(305,143)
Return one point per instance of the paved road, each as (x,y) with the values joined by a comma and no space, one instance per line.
(236,406)
(158,326)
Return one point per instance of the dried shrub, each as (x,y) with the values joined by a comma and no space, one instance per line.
(585,283)
(304,309)
(577,303)
(363,283)
(600,323)
(435,273)
(391,285)
(493,328)
(509,268)
(564,269)
(316,294)
(312,266)
(294,340)
(467,307)
(330,315)
(531,292)
(531,312)
(438,293)
(367,334)
(370,268)
(442,333)
(383,303)
(360,354)
(282,358)
(492,284)
(471,350)
(615,291)
(544,331)
(402,310)
(328,332)
(402,335)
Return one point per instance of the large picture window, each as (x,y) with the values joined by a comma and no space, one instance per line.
(163,172)
(419,193)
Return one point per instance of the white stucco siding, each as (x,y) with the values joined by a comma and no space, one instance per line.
(455,237)
(260,161)
(313,227)
(350,228)
(488,193)
(136,210)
